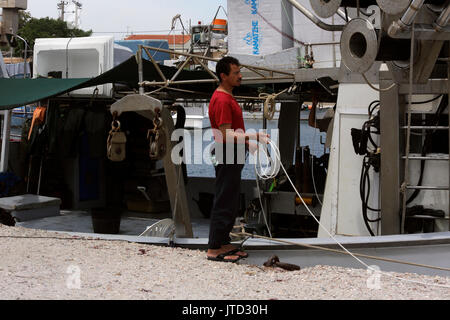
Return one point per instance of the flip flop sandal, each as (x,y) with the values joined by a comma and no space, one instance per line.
(221,257)
(234,251)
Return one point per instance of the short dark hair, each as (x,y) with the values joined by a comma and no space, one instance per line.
(223,66)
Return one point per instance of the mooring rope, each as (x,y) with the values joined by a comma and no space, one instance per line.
(269,103)
(310,246)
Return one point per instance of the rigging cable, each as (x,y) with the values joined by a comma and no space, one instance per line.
(371,158)
(312,161)
(375,88)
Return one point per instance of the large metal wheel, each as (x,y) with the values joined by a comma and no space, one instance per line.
(325,8)
(359,45)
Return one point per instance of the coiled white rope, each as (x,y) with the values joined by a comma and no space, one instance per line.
(273,171)
(269,103)
(268,172)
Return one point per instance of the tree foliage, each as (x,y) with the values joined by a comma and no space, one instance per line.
(32,28)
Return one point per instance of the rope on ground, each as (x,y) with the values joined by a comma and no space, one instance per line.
(310,246)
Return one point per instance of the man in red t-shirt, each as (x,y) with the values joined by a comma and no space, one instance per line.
(227,122)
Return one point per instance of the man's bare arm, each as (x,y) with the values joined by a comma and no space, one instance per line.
(241,137)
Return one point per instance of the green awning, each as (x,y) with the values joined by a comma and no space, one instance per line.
(20,92)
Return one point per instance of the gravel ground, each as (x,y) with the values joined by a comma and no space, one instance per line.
(72,269)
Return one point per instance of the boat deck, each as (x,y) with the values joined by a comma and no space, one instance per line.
(131,224)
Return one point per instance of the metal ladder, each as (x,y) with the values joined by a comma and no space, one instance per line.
(393,133)
(420,157)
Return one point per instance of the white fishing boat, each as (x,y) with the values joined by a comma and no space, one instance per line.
(373,195)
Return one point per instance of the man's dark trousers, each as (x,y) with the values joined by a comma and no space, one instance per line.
(226,204)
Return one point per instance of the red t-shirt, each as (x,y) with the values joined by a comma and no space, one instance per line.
(224,109)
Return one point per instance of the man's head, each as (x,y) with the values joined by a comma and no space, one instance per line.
(229,72)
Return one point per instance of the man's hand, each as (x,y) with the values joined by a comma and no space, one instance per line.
(263,137)
(252,147)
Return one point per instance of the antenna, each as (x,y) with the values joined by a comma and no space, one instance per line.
(62,6)
(78,6)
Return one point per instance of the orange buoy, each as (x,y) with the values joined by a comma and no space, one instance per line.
(219,25)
